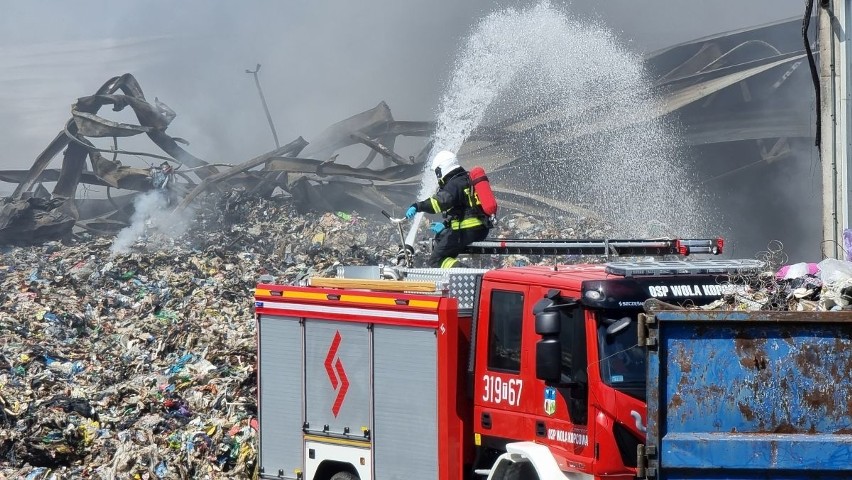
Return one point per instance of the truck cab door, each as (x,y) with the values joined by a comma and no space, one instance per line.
(503,365)
(562,411)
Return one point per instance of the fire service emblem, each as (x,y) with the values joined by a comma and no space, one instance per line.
(549,400)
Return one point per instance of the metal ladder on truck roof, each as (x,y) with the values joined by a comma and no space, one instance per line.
(606,247)
(685,267)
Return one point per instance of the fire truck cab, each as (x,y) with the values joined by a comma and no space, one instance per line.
(557,359)
(518,373)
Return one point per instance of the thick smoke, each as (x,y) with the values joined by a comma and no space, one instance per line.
(152,216)
(322,61)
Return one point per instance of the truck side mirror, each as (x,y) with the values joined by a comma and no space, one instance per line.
(548,350)
(547,323)
(548,360)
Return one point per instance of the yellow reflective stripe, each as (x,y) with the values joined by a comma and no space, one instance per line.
(338,441)
(435,206)
(386,301)
(423,303)
(472,197)
(466,223)
(265,292)
(365,299)
(304,295)
(449,262)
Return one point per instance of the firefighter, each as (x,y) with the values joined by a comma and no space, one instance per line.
(163,180)
(161,175)
(463,223)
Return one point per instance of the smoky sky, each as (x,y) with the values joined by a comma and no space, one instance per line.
(322,61)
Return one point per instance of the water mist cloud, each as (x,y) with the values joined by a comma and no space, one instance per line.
(596,134)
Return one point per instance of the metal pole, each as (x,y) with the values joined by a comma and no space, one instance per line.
(265,107)
(844,55)
(832,243)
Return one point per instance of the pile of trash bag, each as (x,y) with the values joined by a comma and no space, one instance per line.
(823,286)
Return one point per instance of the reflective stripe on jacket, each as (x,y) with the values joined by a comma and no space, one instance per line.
(456,200)
(449,262)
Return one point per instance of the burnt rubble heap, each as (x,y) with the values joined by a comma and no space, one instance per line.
(329,173)
(141,364)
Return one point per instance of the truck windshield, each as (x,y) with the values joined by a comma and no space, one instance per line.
(622,361)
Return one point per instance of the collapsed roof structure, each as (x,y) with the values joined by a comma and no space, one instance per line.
(720,88)
(33,215)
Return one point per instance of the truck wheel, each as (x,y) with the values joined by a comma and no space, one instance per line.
(344,476)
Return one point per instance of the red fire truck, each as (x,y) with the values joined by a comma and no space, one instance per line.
(520,373)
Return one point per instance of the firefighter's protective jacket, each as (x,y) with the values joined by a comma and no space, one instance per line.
(456,201)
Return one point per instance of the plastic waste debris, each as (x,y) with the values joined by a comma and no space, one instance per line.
(141,364)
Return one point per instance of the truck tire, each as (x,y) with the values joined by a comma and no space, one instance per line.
(344,476)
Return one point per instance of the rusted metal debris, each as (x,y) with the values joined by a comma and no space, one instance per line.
(309,172)
(720,89)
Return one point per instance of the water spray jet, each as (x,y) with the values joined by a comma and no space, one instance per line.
(589,127)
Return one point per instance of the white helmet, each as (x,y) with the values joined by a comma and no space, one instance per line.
(444,162)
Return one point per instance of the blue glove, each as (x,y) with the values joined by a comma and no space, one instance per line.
(412,210)
(437,227)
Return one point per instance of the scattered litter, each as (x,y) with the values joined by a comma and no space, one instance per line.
(141,363)
(823,286)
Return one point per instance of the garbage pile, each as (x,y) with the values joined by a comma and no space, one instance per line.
(140,364)
(823,286)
